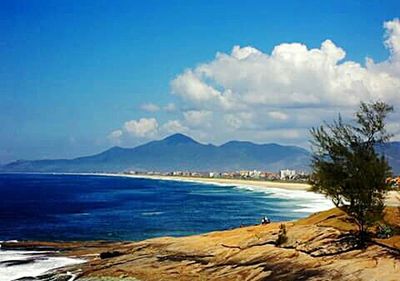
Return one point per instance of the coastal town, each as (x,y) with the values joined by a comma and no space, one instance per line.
(282,175)
(285,175)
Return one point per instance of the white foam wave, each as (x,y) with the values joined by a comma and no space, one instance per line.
(303,201)
(37,263)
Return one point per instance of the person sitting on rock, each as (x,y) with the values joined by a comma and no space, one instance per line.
(265,220)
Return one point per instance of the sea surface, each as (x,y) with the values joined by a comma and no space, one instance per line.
(92,207)
(96,207)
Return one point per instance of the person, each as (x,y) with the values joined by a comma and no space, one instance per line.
(265,220)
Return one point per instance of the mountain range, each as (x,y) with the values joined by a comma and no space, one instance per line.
(180,152)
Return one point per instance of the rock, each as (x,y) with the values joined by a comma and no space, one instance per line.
(319,247)
(107,255)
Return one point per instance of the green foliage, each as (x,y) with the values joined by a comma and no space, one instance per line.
(346,167)
(384,231)
(282,235)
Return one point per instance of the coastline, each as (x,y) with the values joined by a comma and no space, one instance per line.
(225,181)
(392,198)
(209,253)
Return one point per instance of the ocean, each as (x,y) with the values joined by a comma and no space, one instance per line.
(94,207)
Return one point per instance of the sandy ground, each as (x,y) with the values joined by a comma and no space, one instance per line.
(392,198)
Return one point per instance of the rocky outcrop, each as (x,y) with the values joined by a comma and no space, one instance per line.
(316,248)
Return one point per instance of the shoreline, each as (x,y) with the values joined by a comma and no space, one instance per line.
(83,259)
(392,198)
(225,181)
(217,181)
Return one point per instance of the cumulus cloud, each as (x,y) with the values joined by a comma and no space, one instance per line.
(292,75)
(174,126)
(197,118)
(142,128)
(135,131)
(393,37)
(251,94)
(292,87)
(150,107)
(239,120)
(115,136)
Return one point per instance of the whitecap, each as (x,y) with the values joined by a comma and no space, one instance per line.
(152,213)
(33,264)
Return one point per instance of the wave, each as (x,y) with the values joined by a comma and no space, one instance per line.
(301,200)
(16,264)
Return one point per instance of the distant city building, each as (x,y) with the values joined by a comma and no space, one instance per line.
(287,174)
(269,176)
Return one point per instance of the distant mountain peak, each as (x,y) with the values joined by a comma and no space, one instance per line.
(178,138)
(179,152)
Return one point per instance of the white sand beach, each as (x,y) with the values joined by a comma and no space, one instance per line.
(255,183)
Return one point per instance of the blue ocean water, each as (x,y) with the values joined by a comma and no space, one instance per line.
(92,207)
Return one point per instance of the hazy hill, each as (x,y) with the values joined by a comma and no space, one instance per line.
(392,153)
(177,152)
(180,152)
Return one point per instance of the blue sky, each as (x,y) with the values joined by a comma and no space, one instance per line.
(73,72)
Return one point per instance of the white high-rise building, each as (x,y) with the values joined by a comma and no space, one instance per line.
(287,174)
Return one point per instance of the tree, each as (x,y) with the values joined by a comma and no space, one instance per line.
(347,168)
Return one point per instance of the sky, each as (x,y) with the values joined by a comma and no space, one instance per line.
(77,77)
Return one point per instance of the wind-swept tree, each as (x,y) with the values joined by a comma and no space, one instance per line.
(347,168)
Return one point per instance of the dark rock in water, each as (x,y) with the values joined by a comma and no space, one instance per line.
(107,255)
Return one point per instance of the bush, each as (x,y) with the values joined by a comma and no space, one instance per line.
(384,231)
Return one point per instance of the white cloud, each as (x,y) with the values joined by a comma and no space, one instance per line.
(277,115)
(142,128)
(393,37)
(115,136)
(292,75)
(278,96)
(197,118)
(150,107)
(239,120)
(174,126)
(292,87)
(170,107)
(191,87)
